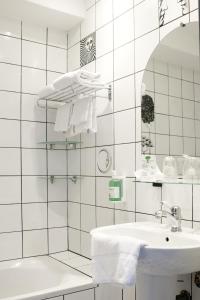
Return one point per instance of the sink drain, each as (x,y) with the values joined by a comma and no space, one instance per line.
(167,239)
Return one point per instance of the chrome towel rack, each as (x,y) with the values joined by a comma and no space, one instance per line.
(66,95)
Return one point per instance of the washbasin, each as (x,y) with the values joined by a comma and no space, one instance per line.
(166,253)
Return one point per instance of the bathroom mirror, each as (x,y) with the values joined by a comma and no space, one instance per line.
(170,105)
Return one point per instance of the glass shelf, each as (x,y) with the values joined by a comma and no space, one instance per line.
(176,181)
(68,144)
(52,178)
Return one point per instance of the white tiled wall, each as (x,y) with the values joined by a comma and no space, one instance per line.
(127,32)
(33,212)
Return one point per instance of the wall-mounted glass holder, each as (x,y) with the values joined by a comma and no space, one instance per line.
(70,145)
(52,178)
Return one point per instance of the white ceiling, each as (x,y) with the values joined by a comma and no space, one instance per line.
(180,47)
(61,14)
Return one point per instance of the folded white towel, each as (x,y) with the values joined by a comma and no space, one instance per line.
(83,116)
(81,77)
(63,117)
(47,91)
(81,110)
(115,258)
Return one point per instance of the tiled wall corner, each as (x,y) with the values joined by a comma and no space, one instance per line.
(28,200)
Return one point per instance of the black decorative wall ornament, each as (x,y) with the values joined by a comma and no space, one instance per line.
(163,7)
(184,6)
(88,49)
(147,109)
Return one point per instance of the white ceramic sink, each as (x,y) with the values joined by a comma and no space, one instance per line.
(166,253)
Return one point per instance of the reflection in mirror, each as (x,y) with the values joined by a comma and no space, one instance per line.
(170,106)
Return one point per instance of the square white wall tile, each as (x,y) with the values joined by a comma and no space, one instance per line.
(124,93)
(34,189)
(125,159)
(57,214)
(74,240)
(33,162)
(10,77)
(88,190)
(57,162)
(104,66)
(12,222)
(57,38)
(34,216)
(88,161)
(33,80)
(104,34)
(57,239)
(58,190)
(10,50)
(34,33)
(32,134)
(88,24)
(148,198)
(74,162)
(123,216)
(88,223)
(74,36)
(124,61)
(35,243)
(125,126)
(103,12)
(9,161)
(56,59)
(74,191)
(104,134)
(10,27)
(142,24)
(180,195)
(10,105)
(33,55)
(143,53)
(85,244)
(123,24)
(74,58)
(119,7)
(105,216)
(11,245)
(9,133)
(10,195)
(74,215)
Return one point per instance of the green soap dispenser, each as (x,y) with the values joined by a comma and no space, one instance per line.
(116,187)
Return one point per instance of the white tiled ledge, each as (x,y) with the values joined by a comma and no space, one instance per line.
(74,261)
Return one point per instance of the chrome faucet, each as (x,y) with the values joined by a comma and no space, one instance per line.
(174,211)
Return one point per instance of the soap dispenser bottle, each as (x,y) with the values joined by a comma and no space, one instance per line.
(116,187)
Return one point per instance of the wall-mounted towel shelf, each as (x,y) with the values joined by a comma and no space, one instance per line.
(68,144)
(52,178)
(67,94)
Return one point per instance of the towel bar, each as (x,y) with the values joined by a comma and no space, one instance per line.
(66,95)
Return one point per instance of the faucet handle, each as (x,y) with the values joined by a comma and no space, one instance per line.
(159,214)
(176,211)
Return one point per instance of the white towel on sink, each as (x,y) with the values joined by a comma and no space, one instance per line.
(115,258)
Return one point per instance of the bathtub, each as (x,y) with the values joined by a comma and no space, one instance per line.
(39,278)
